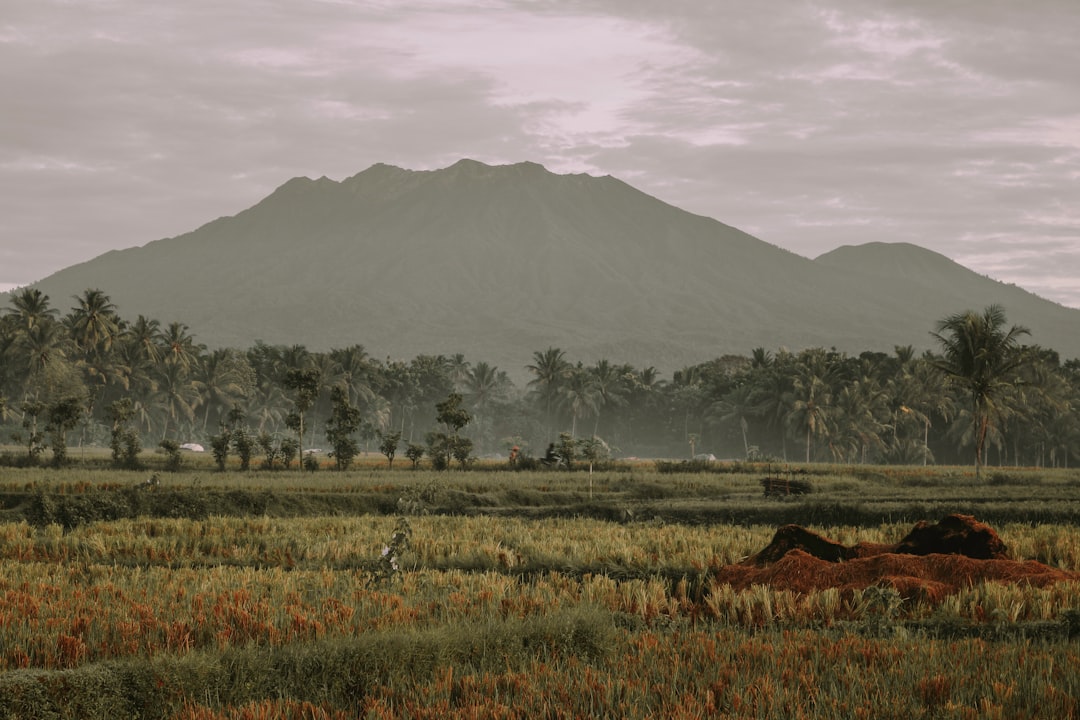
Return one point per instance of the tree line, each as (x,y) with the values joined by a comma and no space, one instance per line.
(92,377)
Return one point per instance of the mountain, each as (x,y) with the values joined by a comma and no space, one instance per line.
(497,262)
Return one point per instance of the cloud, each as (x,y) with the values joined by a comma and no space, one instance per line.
(953,126)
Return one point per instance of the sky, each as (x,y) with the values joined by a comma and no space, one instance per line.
(950,124)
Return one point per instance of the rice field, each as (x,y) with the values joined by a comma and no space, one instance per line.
(507,611)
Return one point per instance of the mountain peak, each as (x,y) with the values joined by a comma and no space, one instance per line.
(497,261)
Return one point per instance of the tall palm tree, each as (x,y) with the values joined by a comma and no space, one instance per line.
(180,347)
(919,395)
(223,382)
(484,384)
(610,383)
(579,396)
(93,322)
(146,339)
(175,397)
(981,357)
(41,353)
(812,394)
(30,307)
(550,370)
(354,373)
(739,405)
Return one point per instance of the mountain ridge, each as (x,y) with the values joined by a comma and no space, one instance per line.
(500,261)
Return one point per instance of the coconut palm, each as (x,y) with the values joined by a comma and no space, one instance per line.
(40,352)
(484,385)
(224,380)
(610,385)
(174,398)
(579,396)
(93,322)
(180,347)
(354,373)
(812,396)
(739,406)
(30,307)
(980,356)
(550,370)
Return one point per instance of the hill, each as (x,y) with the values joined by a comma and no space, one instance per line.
(497,262)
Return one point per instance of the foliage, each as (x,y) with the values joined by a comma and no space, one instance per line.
(124,442)
(982,357)
(818,405)
(388,445)
(415,453)
(344,421)
(243,445)
(173,460)
(63,416)
(219,446)
(566,449)
(31,436)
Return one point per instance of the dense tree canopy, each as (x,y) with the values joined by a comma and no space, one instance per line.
(984,394)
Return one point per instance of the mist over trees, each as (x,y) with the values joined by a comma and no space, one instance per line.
(88,376)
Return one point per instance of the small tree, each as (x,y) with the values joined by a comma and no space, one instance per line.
(462,450)
(594,450)
(566,449)
(414,452)
(269,449)
(219,446)
(124,441)
(343,423)
(31,437)
(63,416)
(388,444)
(305,387)
(438,449)
(289,449)
(450,444)
(244,445)
(173,459)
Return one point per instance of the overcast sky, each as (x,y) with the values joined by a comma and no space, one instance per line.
(954,125)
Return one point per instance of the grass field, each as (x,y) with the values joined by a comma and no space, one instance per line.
(492,593)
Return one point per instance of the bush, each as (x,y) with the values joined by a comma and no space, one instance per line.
(173,459)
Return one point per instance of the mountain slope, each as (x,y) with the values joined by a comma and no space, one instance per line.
(921,282)
(497,262)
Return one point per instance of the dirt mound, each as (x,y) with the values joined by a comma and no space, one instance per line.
(954,535)
(929,563)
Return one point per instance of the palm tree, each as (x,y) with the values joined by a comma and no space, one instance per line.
(611,386)
(175,396)
(30,307)
(550,370)
(145,337)
(354,372)
(918,394)
(739,405)
(41,351)
(223,380)
(484,384)
(860,408)
(980,356)
(579,395)
(180,346)
(812,393)
(93,322)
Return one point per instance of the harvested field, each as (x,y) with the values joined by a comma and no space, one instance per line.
(930,563)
